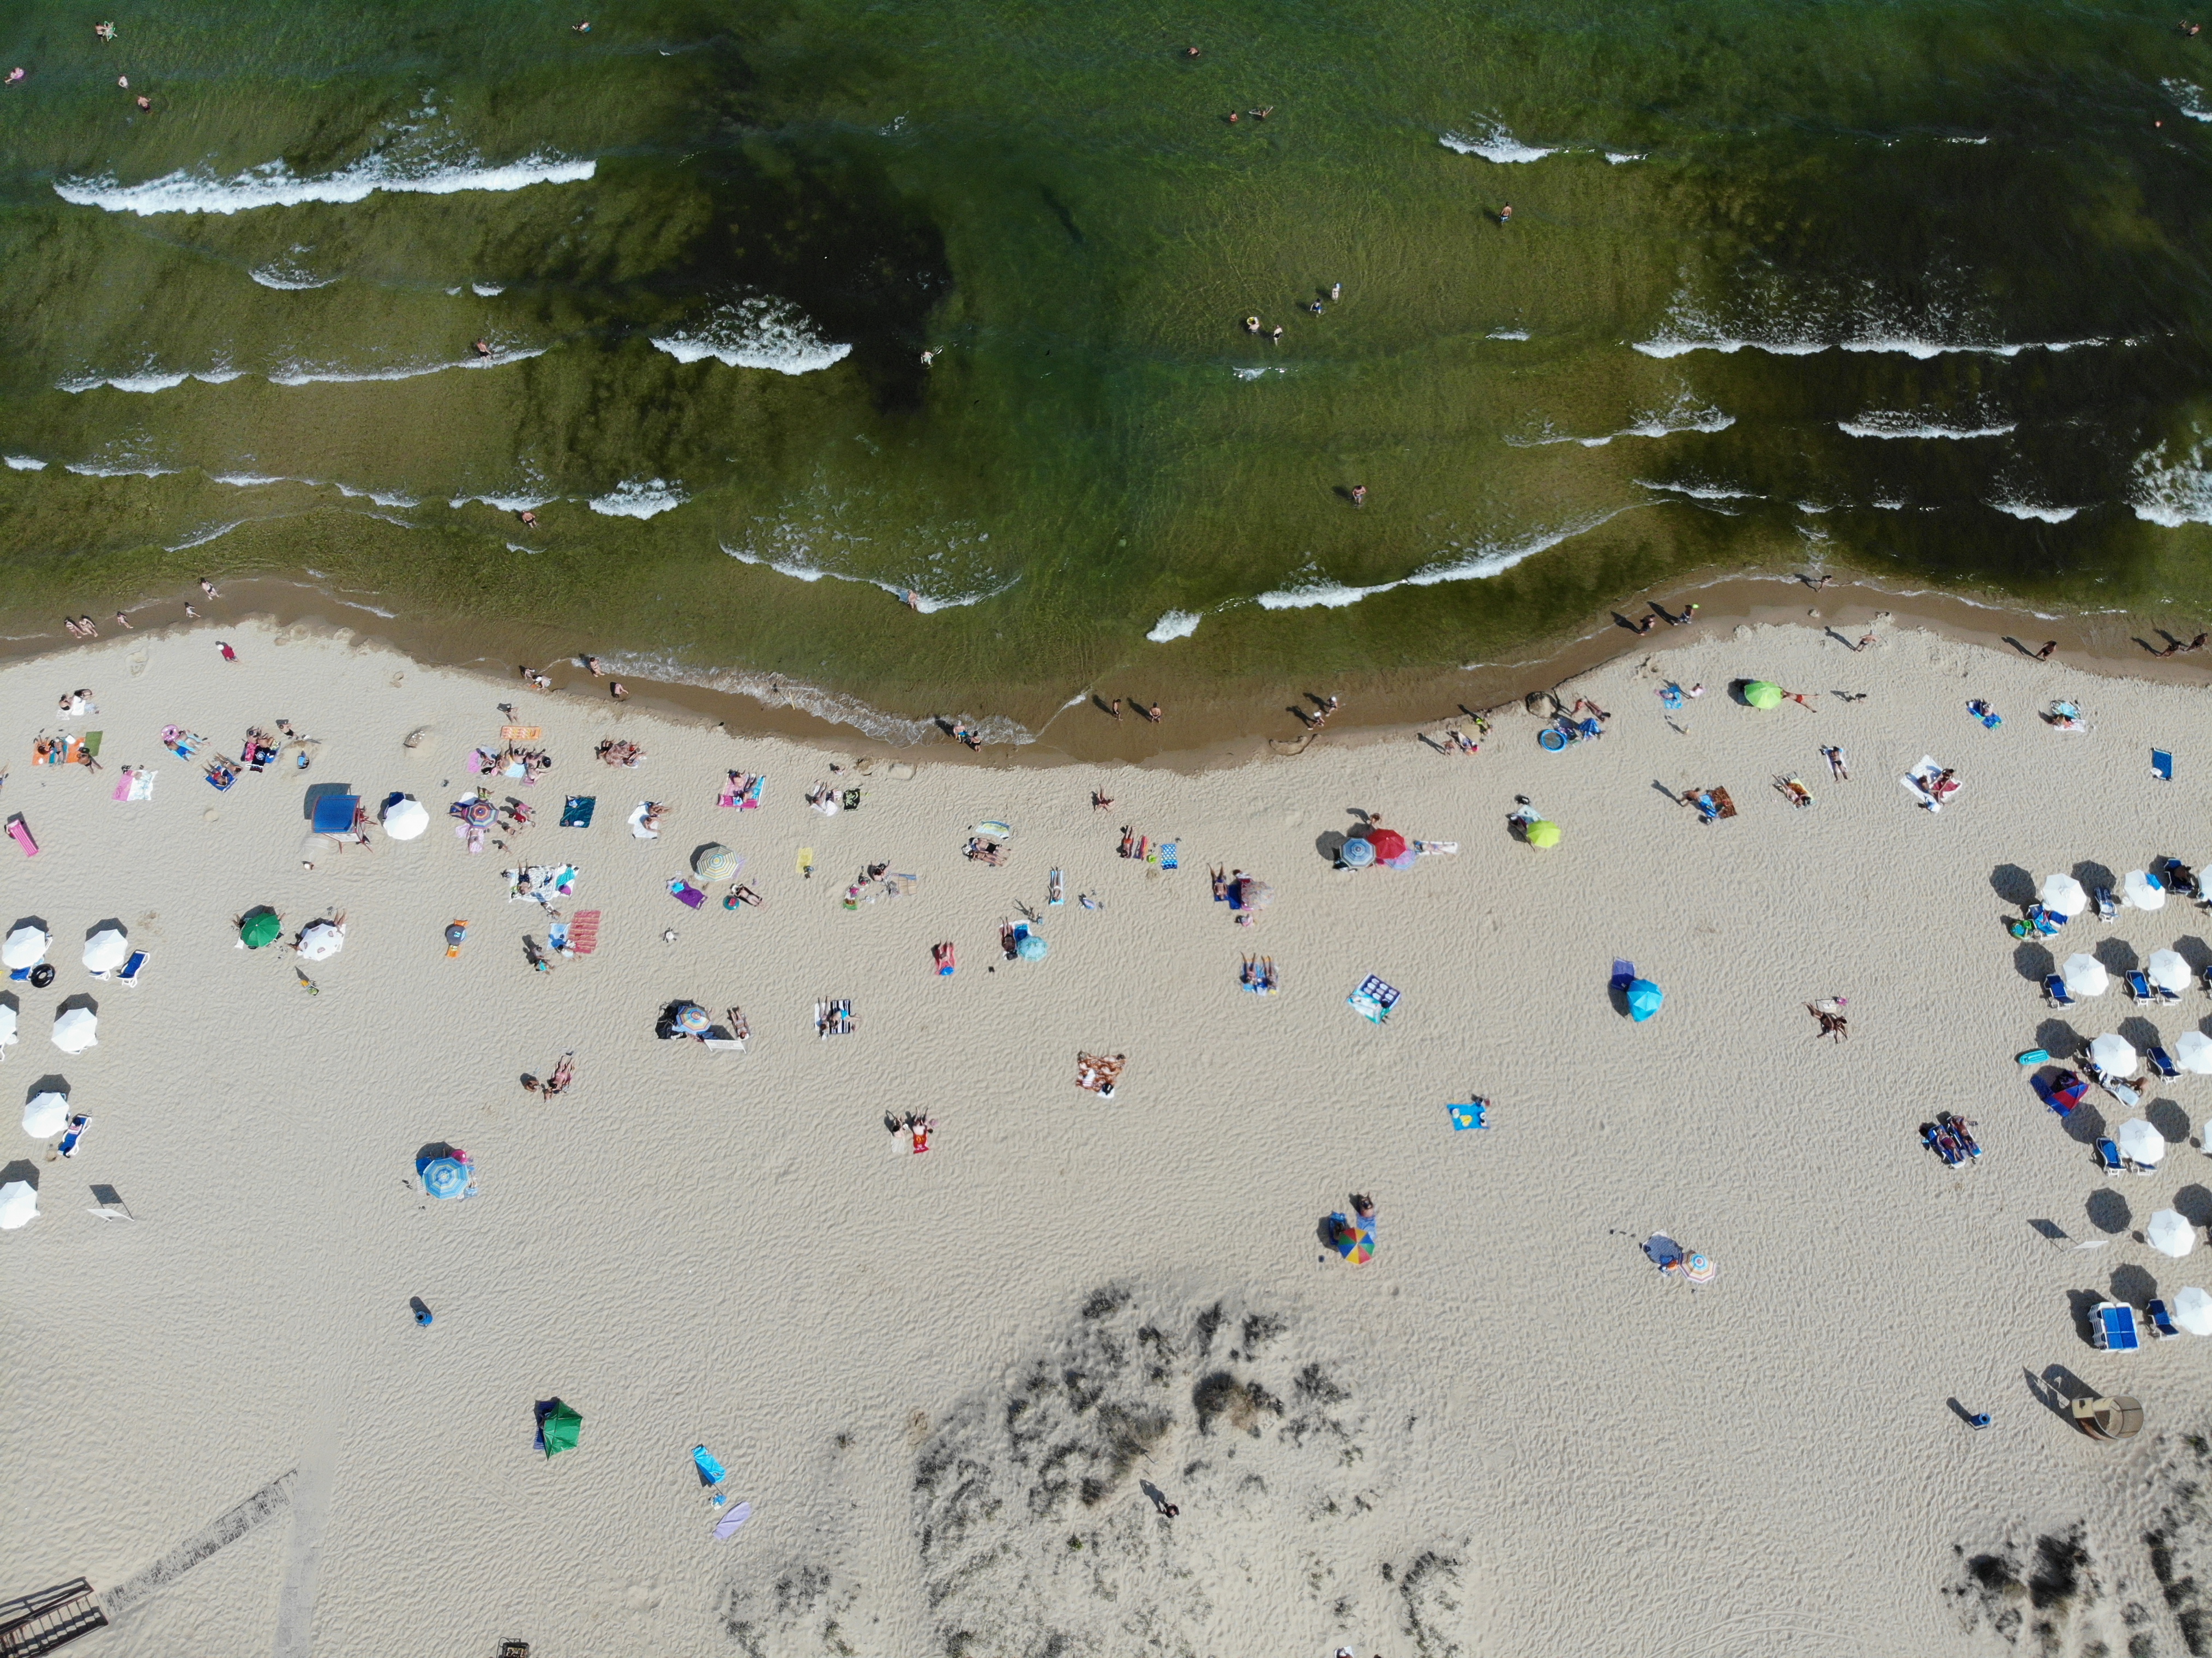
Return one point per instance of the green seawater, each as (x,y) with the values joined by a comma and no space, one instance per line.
(1918,287)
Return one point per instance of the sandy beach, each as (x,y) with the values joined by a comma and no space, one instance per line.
(957,1389)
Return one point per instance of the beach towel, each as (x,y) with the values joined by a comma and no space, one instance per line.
(1919,782)
(20,833)
(584,931)
(745,799)
(137,783)
(576,813)
(1168,854)
(545,882)
(637,825)
(2161,765)
(521,733)
(1473,1114)
(728,1524)
(92,745)
(685,893)
(1432,849)
(1374,999)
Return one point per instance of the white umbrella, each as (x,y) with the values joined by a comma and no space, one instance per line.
(2169,1232)
(2063,894)
(25,945)
(8,1024)
(2139,1142)
(2192,1310)
(2113,1055)
(46,1113)
(2167,970)
(405,818)
(19,1205)
(2085,975)
(107,950)
(2140,889)
(73,1030)
(321,940)
(2192,1051)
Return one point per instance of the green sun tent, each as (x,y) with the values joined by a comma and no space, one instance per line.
(558,1425)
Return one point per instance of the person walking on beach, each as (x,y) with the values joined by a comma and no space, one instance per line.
(1117,707)
(1684,617)
(1646,625)
(208,587)
(2050,649)
(1153,713)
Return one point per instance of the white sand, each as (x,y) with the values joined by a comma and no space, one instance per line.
(1511,1435)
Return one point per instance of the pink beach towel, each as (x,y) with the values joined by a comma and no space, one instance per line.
(584,931)
(19,832)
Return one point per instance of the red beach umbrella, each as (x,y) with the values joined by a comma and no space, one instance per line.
(1388,844)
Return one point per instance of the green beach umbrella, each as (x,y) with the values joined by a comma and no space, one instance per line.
(1760,695)
(561,1426)
(1543,833)
(263,926)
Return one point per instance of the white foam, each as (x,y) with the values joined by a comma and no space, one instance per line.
(1704,491)
(1884,423)
(206,536)
(26,464)
(636,498)
(517,547)
(757,332)
(288,279)
(504,503)
(1475,563)
(1255,373)
(773,691)
(2043,514)
(261,480)
(273,185)
(1622,157)
(1983,140)
(319,374)
(1507,334)
(93,469)
(354,604)
(1687,329)
(2189,99)
(487,290)
(801,568)
(1176,624)
(1686,415)
(1494,143)
(148,380)
(2172,493)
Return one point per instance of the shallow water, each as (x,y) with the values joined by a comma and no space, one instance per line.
(1909,285)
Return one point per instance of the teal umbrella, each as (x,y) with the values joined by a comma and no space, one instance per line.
(1031,948)
(1644,999)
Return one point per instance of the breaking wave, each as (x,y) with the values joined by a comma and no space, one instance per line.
(1176,624)
(1475,563)
(758,331)
(1883,423)
(800,569)
(1493,142)
(2172,492)
(2022,509)
(274,185)
(640,498)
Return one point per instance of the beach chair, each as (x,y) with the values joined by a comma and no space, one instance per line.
(2112,1328)
(2108,1157)
(2138,984)
(2205,978)
(2161,765)
(132,968)
(2054,987)
(2161,1321)
(2162,1062)
(2107,906)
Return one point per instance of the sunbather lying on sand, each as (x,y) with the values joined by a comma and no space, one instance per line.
(986,851)
(1095,1074)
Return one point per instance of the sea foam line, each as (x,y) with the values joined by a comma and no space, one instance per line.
(639,498)
(273,185)
(1176,624)
(314,374)
(1686,416)
(1883,423)
(2189,99)
(259,480)
(2172,492)
(149,380)
(758,331)
(1476,564)
(773,691)
(1494,142)
(912,597)
(2022,509)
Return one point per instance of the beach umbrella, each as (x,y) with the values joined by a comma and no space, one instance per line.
(560,1427)
(714,862)
(321,940)
(2192,1310)
(1664,1250)
(1356,854)
(1643,999)
(479,814)
(692,1020)
(19,1205)
(1031,947)
(46,1113)
(1249,894)
(73,1029)
(1760,695)
(2113,1055)
(263,927)
(405,818)
(2170,1233)
(445,1177)
(8,1024)
(2062,894)
(2192,1051)
(2143,890)
(1388,844)
(107,950)
(1542,833)
(1355,1239)
(2084,975)
(25,945)
(2139,1142)
(1699,1268)
(2168,971)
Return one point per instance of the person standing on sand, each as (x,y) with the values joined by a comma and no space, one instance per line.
(2050,649)
(208,587)
(1117,707)
(1153,713)
(1688,614)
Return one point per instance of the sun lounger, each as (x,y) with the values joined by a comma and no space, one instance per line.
(2054,987)
(132,968)
(576,812)
(2138,983)
(2161,1321)
(2107,906)
(2112,1328)
(2161,765)
(336,814)
(2162,1061)
(2108,1157)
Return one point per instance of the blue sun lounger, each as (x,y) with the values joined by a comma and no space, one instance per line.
(2108,1156)
(2055,988)
(2139,984)
(2112,1328)
(2161,1321)
(2107,906)
(2162,1061)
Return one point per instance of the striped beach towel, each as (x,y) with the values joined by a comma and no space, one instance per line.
(584,931)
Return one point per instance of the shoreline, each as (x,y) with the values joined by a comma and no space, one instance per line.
(1204,731)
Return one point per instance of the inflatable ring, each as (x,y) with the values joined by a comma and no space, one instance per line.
(1551,739)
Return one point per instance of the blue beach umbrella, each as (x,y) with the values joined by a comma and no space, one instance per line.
(1357,853)
(1031,947)
(1644,999)
(445,1177)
